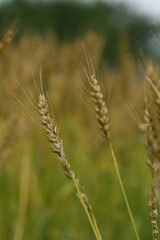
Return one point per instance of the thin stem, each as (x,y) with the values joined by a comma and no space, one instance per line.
(158,198)
(95,224)
(122,189)
(86,210)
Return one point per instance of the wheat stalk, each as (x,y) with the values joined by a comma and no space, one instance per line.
(52,135)
(151,148)
(102,116)
(151,116)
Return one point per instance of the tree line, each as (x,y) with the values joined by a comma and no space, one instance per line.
(71,19)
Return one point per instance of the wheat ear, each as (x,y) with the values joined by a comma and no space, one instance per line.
(102,116)
(50,129)
(151,148)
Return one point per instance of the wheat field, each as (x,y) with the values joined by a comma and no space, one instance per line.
(37,201)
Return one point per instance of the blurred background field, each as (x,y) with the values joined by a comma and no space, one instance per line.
(36,200)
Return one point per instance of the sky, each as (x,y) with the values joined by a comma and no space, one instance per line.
(147,7)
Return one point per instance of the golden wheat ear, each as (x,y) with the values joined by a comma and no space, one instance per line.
(101,110)
(56,144)
(151,149)
(152,141)
(102,116)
